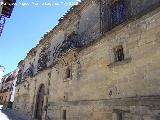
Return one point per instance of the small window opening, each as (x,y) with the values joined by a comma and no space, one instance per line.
(64,115)
(68,73)
(119,54)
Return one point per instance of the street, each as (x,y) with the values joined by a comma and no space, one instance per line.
(6,114)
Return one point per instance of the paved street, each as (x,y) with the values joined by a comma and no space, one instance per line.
(11,115)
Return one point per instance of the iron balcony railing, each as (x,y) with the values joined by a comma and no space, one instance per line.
(115,12)
(72,42)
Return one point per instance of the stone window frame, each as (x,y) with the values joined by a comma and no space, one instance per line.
(119,54)
(126,58)
(64,114)
(68,73)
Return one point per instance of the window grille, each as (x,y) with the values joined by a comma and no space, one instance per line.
(119,54)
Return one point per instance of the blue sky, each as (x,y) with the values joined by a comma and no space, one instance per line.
(25,28)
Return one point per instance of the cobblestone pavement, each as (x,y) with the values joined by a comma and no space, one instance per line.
(7,114)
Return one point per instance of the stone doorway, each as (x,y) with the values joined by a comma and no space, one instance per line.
(40,102)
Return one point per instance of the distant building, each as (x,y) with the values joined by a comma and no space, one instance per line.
(7,90)
(6,7)
(1,71)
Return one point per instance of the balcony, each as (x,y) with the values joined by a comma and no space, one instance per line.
(43,59)
(113,13)
(116,12)
(28,73)
(72,42)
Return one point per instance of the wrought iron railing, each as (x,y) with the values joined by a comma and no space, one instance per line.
(118,12)
(28,73)
(72,42)
(112,14)
(115,12)
(43,59)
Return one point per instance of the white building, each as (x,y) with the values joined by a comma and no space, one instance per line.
(13,85)
(1,72)
(8,86)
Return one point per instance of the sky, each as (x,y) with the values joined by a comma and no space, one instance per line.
(29,21)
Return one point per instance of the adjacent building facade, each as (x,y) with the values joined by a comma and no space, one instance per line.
(6,8)
(7,90)
(1,71)
(101,62)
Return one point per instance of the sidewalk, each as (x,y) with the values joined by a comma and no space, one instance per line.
(8,114)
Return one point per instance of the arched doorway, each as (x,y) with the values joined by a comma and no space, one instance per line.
(39,102)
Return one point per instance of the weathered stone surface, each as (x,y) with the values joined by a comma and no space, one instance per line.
(100,88)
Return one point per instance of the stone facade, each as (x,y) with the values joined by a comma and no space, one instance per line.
(111,75)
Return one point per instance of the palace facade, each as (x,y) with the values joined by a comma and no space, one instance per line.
(101,62)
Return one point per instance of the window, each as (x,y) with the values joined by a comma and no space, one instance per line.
(68,73)
(64,115)
(118,12)
(118,52)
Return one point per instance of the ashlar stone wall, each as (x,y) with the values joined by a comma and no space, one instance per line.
(102,89)
(98,87)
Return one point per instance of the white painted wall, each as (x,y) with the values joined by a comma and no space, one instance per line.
(14,87)
(1,72)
